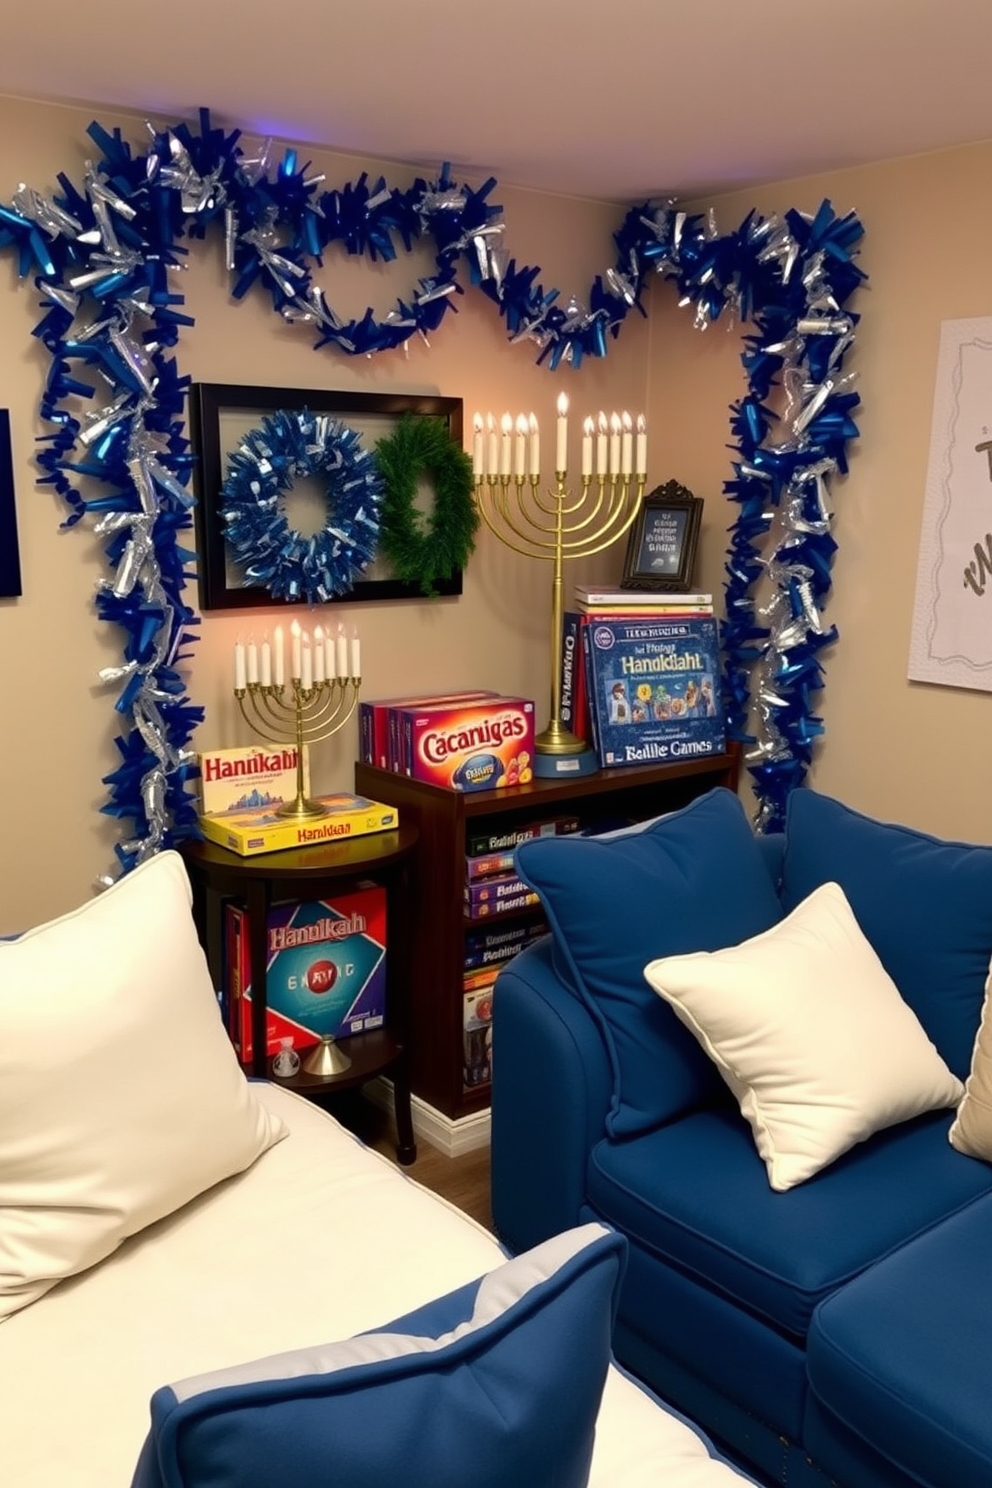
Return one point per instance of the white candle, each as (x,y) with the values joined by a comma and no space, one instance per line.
(492,465)
(356,654)
(535,446)
(329,665)
(478,463)
(520,466)
(342,653)
(252,660)
(296,651)
(601,455)
(614,444)
(627,445)
(306,669)
(587,429)
(266,661)
(561,436)
(319,670)
(506,425)
(239,666)
(642,445)
(278,658)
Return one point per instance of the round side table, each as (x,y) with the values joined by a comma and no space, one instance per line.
(217,875)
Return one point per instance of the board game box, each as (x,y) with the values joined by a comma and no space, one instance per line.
(325,970)
(374,722)
(492,947)
(497,837)
(654,689)
(479,745)
(494,892)
(248,778)
(477,1034)
(262,831)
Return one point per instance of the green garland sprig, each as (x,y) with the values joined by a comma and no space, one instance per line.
(422,550)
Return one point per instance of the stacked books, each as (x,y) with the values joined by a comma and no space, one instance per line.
(593,599)
(641,676)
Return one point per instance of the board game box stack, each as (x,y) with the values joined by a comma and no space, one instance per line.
(492,889)
(241,789)
(462,741)
(491,883)
(640,675)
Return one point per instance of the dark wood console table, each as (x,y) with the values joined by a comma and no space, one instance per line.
(258,882)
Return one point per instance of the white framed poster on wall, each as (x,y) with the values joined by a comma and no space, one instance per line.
(951,641)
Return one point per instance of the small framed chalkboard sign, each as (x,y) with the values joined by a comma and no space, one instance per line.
(661,549)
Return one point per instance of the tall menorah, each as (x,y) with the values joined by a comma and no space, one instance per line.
(318,700)
(556,524)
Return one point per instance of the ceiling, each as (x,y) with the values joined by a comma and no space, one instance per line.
(619,101)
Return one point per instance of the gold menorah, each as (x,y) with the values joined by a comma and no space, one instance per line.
(555,525)
(317,702)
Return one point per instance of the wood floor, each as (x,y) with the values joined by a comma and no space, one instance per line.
(463,1181)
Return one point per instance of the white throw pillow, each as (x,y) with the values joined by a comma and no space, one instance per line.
(971,1131)
(811,1035)
(121,1097)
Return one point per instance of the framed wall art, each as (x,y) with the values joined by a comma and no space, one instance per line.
(323,443)
(10,560)
(661,548)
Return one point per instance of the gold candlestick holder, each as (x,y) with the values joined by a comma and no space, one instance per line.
(304,715)
(555,525)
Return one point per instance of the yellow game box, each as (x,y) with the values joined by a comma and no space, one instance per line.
(261,831)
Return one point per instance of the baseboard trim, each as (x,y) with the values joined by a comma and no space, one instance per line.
(452,1137)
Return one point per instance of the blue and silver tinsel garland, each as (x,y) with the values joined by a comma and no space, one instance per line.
(103,254)
(289,446)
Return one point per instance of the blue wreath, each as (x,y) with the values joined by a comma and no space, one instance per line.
(287,447)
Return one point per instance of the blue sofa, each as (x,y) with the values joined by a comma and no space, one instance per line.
(840,1331)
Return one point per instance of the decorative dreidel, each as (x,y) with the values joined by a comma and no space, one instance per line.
(325,676)
(557,524)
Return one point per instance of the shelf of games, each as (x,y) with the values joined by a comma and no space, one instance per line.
(448,1044)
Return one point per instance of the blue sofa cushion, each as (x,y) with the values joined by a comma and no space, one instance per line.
(499,1382)
(923,903)
(694,880)
(901,1357)
(695,1193)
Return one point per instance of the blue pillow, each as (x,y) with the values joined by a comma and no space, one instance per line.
(497,1383)
(695,880)
(925,905)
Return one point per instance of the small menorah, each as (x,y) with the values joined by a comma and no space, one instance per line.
(556,525)
(324,683)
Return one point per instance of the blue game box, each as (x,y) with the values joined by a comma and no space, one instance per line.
(654,689)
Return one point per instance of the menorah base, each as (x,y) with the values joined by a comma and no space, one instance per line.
(554,766)
(301,809)
(326,1059)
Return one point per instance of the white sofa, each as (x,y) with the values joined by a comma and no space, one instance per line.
(316,1239)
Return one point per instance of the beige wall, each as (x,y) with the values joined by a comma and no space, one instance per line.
(910,752)
(906,751)
(59,724)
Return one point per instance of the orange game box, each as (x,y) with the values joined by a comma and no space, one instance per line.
(470,746)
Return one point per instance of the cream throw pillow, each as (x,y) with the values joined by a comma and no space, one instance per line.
(121,1097)
(971,1131)
(811,1035)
